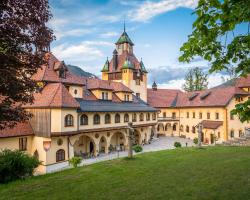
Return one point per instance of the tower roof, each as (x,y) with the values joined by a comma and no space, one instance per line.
(106,66)
(124,38)
(143,68)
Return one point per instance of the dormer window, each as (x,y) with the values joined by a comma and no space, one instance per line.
(62,73)
(104,95)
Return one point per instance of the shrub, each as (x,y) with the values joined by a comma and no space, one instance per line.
(195,140)
(75,161)
(137,148)
(15,165)
(177,144)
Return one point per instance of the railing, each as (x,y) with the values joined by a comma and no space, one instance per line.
(168,118)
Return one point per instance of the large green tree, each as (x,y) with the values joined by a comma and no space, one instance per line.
(217,39)
(195,80)
(23,37)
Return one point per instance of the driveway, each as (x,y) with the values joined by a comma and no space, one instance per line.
(156,144)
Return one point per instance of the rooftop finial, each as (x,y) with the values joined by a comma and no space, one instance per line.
(124,26)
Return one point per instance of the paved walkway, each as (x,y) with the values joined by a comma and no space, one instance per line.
(157,144)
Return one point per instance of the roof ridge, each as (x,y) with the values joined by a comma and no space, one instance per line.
(52,99)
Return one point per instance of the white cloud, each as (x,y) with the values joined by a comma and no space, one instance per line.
(84,51)
(173,84)
(150,9)
(109,34)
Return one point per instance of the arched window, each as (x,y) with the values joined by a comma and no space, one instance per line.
(232,133)
(134,119)
(174,127)
(84,120)
(96,119)
(148,116)
(181,128)
(141,117)
(126,117)
(193,129)
(36,154)
(60,155)
(117,118)
(69,120)
(107,119)
(187,129)
(154,116)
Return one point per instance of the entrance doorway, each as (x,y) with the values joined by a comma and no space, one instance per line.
(91,147)
(212,138)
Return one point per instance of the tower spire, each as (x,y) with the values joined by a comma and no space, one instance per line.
(124,26)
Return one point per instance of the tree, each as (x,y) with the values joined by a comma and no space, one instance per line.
(195,80)
(217,39)
(24,37)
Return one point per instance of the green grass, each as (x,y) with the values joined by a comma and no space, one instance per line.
(187,173)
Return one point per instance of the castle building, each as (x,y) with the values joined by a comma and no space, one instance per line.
(78,116)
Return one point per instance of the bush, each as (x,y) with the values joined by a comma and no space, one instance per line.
(195,140)
(177,144)
(15,165)
(75,161)
(137,148)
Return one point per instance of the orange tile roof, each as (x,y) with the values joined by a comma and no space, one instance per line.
(243,82)
(48,73)
(20,129)
(53,95)
(94,83)
(209,124)
(161,98)
(206,98)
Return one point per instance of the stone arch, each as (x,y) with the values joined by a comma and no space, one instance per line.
(138,137)
(168,125)
(160,127)
(118,139)
(86,146)
(103,144)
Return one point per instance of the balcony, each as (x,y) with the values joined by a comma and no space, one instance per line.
(165,119)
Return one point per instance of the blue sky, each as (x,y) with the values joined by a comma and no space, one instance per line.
(86,31)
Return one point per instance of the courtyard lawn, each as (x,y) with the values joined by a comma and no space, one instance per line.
(187,173)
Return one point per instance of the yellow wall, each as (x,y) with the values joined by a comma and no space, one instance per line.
(57,120)
(79,91)
(98,93)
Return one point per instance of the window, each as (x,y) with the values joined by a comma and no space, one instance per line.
(23,144)
(208,115)
(84,120)
(200,115)
(232,133)
(187,114)
(126,117)
(148,117)
(137,82)
(134,119)
(218,134)
(138,95)
(193,114)
(68,121)
(75,91)
(181,128)
(107,95)
(231,116)
(104,95)
(173,115)
(154,116)
(62,73)
(117,118)
(96,119)
(141,117)
(107,119)
(187,129)
(126,97)
(60,155)
(217,116)
(164,114)
(174,127)
(193,129)
(240,133)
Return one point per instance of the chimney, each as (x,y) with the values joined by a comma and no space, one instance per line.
(115,60)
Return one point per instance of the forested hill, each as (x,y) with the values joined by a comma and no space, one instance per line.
(80,72)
